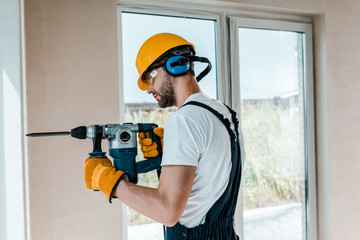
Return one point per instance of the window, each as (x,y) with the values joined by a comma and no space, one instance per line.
(273,79)
(141,107)
(270,86)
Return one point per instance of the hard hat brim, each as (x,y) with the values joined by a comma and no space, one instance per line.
(142,85)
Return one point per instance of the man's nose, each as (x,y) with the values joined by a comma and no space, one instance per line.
(149,90)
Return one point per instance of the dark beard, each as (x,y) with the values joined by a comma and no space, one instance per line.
(167,93)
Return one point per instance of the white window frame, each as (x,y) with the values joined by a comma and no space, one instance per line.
(228,18)
(14,217)
(309,127)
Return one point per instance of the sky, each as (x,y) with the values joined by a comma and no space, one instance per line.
(268,62)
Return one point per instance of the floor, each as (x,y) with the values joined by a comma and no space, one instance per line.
(273,223)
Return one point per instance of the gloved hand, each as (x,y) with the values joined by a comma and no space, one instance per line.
(100,174)
(148,147)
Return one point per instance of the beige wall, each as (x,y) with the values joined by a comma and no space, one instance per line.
(343,61)
(72,80)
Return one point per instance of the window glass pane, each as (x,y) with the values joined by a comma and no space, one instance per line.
(141,107)
(136,28)
(272,118)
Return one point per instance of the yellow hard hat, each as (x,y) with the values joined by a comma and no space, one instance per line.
(153,48)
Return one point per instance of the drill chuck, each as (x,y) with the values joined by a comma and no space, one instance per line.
(79,132)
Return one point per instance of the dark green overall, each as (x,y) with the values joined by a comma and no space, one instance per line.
(219,221)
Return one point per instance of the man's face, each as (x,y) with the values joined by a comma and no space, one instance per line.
(162,88)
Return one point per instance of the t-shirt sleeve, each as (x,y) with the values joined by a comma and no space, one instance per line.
(183,141)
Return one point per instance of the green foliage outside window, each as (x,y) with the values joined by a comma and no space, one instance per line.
(274,168)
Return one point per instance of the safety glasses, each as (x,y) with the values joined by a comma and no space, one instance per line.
(151,74)
(150,77)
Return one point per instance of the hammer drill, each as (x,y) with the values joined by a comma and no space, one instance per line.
(122,145)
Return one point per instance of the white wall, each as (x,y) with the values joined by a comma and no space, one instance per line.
(12,209)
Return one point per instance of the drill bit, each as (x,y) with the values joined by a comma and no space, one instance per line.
(44,134)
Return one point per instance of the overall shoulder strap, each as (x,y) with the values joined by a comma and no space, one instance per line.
(225,121)
(227,202)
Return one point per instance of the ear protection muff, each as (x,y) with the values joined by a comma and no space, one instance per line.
(179,65)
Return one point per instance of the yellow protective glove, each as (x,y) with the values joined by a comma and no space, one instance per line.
(148,147)
(99,174)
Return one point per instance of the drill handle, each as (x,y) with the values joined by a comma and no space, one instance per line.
(124,160)
(157,140)
(97,152)
(149,128)
(155,162)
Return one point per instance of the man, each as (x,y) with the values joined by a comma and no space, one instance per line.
(202,157)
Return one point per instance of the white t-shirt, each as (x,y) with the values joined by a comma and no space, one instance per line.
(196,137)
